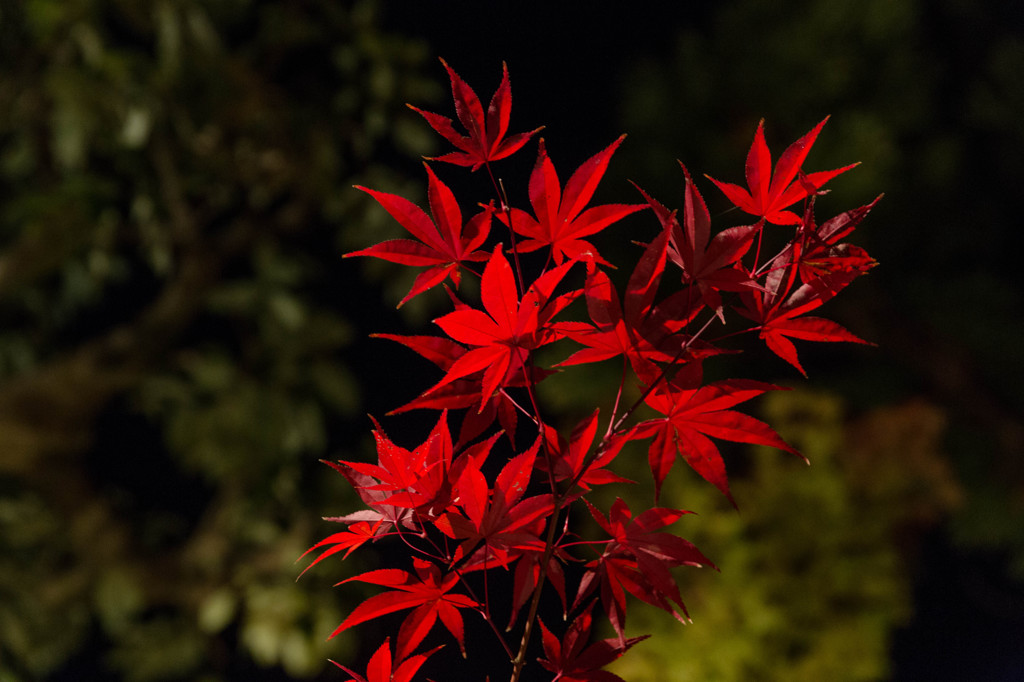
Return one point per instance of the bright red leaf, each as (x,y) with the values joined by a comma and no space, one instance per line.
(465,392)
(561,223)
(382,515)
(504,333)
(767,195)
(645,332)
(691,417)
(382,668)
(358,534)
(417,479)
(497,523)
(443,246)
(486,139)
(570,457)
(427,592)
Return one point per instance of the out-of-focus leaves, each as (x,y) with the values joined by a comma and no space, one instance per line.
(833,532)
(174,198)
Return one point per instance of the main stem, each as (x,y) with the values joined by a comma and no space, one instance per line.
(549,547)
(549,544)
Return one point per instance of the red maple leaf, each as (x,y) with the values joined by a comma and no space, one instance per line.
(504,333)
(570,457)
(382,668)
(465,392)
(825,268)
(498,523)
(356,535)
(576,658)
(710,264)
(384,516)
(637,560)
(406,488)
(691,416)
(443,246)
(486,140)
(427,592)
(781,321)
(767,195)
(416,479)
(645,332)
(560,222)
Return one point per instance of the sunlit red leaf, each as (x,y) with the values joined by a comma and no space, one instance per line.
(358,534)
(768,195)
(692,417)
(382,668)
(427,592)
(507,330)
(560,221)
(443,246)
(485,141)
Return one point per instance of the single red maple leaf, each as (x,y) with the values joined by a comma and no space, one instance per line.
(388,515)
(570,457)
(637,560)
(444,246)
(504,333)
(465,392)
(691,416)
(778,323)
(427,592)
(486,139)
(416,479)
(560,222)
(356,535)
(406,488)
(710,264)
(575,658)
(382,668)
(767,195)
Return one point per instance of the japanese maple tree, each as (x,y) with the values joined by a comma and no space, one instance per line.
(506,492)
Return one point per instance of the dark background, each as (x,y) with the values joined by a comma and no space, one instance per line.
(180,341)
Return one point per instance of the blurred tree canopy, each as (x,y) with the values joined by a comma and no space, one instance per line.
(173,180)
(180,342)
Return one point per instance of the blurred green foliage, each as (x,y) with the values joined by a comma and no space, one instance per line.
(173,184)
(814,565)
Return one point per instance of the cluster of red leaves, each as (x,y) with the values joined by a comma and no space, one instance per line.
(437,497)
